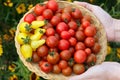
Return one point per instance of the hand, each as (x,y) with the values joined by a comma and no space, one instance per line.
(104,71)
(103,16)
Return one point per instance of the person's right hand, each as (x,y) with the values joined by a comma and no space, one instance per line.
(103,16)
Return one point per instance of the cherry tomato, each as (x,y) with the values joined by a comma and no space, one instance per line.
(48,25)
(57,36)
(76,13)
(73,41)
(52,41)
(86,18)
(55,49)
(65,55)
(78,68)
(67,9)
(72,50)
(91,59)
(44,37)
(90,31)
(65,35)
(66,17)
(71,62)
(50,32)
(88,51)
(80,28)
(61,27)
(56,69)
(41,62)
(63,64)
(80,36)
(55,20)
(53,5)
(53,57)
(72,25)
(67,71)
(80,46)
(47,14)
(39,9)
(80,56)
(46,67)
(96,48)
(72,32)
(42,51)
(63,44)
(89,41)
(29,18)
(85,24)
(35,57)
(58,14)
(40,18)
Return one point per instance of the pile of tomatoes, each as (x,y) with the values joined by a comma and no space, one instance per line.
(70,45)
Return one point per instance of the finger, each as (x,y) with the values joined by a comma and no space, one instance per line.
(84,4)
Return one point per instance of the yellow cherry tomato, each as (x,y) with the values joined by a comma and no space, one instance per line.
(37,24)
(26,51)
(24,27)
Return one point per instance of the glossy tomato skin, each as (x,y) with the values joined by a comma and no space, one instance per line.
(56,69)
(66,17)
(53,5)
(91,59)
(90,31)
(89,41)
(63,44)
(72,32)
(67,71)
(47,14)
(72,25)
(80,56)
(50,32)
(46,67)
(53,57)
(65,35)
(86,18)
(52,41)
(40,18)
(48,25)
(73,41)
(80,36)
(55,20)
(85,24)
(63,64)
(29,18)
(76,13)
(78,68)
(39,9)
(35,57)
(96,48)
(62,26)
(42,51)
(80,46)
(67,9)
(65,55)
(88,51)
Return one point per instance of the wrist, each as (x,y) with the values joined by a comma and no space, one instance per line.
(116,26)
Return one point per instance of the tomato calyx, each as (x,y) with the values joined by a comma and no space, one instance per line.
(26,40)
(71,62)
(78,23)
(52,53)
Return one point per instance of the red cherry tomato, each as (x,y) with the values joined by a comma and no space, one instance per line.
(50,32)
(89,41)
(40,18)
(78,68)
(90,31)
(80,56)
(88,51)
(46,67)
(96,48)
(63,44)
(80,36)
(29,18)
(85,24)
(52,41)
(76,13)
(66,17)
(55,20)
(73,41)
(63,64)
(86,18)
(65,55)
(42,51)
(72,32)
(67,9)
(67,71)
(53,57)
(47,14)
(48,25)
(56,69)
(72,25)
(39,9)
(65,35)
(80,46)
(53,5)
(62,26)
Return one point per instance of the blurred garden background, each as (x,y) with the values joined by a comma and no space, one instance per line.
(11,11)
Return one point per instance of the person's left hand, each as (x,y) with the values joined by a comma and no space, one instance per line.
(104,71)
